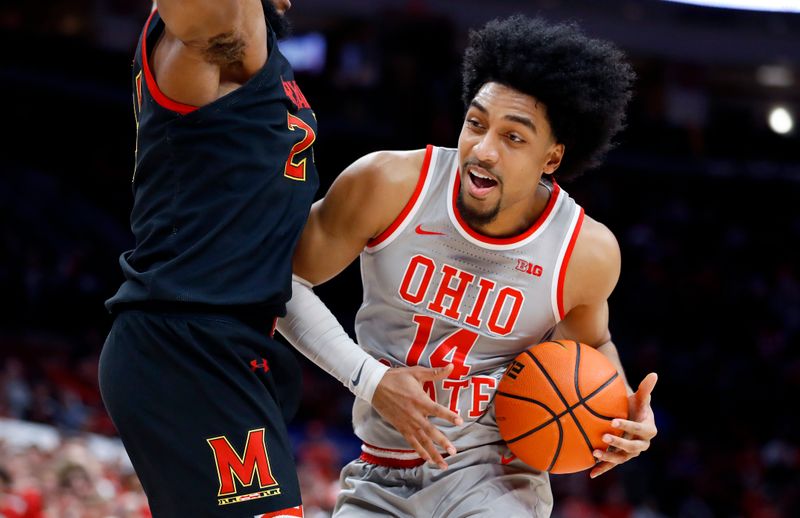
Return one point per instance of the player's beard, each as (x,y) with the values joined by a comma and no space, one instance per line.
(278,22)
(472,217)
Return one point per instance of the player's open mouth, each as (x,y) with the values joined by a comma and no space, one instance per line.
(480,182)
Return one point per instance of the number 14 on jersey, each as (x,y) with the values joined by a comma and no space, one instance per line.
(455,349)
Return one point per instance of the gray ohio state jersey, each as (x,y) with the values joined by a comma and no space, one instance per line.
(438,292)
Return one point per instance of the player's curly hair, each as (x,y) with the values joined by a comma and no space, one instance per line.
(585,84)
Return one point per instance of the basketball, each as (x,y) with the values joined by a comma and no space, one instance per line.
(555,402)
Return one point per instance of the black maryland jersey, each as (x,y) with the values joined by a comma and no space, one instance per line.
(221,192)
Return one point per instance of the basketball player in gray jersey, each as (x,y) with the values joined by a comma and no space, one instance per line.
(468,257)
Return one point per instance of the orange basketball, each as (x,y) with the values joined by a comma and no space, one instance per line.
(555,402)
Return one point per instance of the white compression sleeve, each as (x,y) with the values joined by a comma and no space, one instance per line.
(313,330)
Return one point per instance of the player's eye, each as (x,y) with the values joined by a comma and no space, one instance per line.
(513,137)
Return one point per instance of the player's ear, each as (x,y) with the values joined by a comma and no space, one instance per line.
(554,157)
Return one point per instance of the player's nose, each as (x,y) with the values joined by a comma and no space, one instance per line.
(486,150)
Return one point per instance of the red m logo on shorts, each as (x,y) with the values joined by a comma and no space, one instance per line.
(245,468)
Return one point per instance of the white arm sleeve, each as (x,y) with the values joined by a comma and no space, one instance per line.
(313,330)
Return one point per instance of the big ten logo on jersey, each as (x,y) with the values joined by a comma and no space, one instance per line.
(492,307)
(240,474)
(529,268)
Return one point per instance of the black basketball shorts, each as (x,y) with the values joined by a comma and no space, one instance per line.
(201,402)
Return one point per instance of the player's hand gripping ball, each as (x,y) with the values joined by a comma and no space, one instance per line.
(555,402)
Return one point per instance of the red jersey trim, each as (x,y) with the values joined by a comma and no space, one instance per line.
(152,86)
(368,445)
(383,236)
(562,274)
(391,463)
(390,458)
(508,240)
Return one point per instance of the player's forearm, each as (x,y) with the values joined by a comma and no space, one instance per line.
(313,330)
(609,350)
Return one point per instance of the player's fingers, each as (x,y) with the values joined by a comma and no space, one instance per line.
(414,443)
(636,429)
(442,440)
(423,436)
(600,468)
(423,431)
(442,412)
(628,445)
(613,456)
(646,387)
(434,373)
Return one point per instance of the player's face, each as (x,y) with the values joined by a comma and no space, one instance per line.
(505,146)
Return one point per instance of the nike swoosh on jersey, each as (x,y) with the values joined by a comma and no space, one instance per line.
(419,230)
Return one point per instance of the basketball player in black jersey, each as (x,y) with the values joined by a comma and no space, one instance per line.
(222,186)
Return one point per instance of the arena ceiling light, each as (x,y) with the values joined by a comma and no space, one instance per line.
(781,120)
(785,6)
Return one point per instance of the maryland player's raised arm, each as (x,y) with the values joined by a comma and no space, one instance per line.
(197,22)
(209,47)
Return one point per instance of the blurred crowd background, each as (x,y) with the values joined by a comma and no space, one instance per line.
(702,193)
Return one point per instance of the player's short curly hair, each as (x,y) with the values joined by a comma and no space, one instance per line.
(585,84)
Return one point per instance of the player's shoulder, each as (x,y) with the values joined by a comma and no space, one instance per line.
(596,260)
(389,172)
(391,165)
(596,239)
(374,189)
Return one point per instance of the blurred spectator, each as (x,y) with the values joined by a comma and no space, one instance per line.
(68,481)
(16,392)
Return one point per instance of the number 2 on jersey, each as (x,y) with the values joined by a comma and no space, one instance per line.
(459,343)
(296,169)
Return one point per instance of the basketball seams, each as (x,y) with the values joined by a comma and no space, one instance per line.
(594,393)
(554,418)
(584,401)
(577,369)
(547,375)
(558,447)
(578,393)
(543,358)
(562,398)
